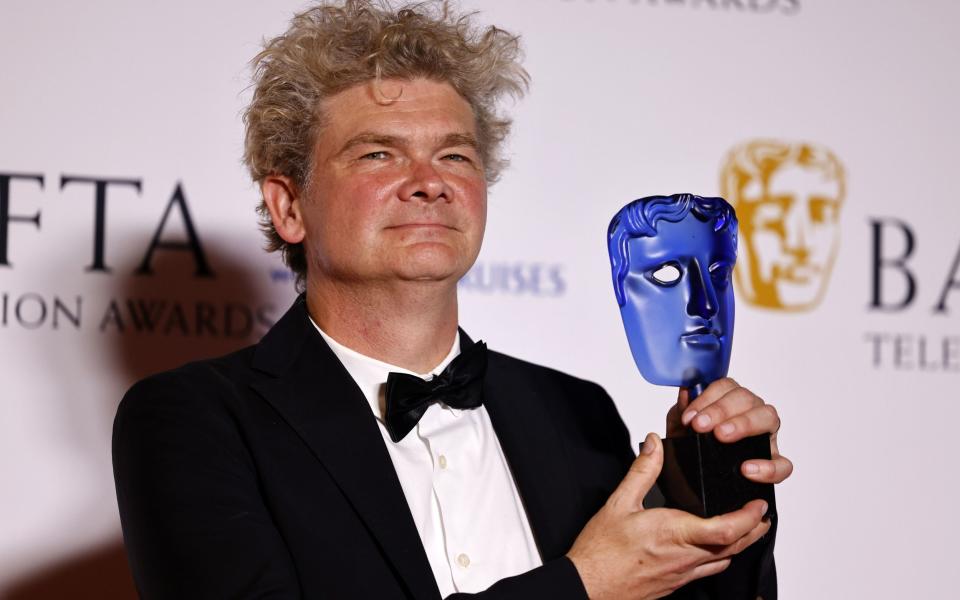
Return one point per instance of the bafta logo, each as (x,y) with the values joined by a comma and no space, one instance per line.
(788,198)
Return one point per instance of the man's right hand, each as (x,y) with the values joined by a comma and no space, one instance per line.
(626,552)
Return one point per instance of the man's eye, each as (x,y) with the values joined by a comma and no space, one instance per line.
(456,158)
(667,274)
(379,155)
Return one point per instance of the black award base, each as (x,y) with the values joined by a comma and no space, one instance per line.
(702,476)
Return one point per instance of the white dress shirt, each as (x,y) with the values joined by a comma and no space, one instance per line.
(457,483)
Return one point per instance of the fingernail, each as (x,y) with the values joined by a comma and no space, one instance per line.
(687,417)
(726,429)
(763,509)
(751,468)
(648,445)
(703,420)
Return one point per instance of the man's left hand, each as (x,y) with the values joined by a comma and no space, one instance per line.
(732,412)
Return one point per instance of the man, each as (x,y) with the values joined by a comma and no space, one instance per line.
(286,470)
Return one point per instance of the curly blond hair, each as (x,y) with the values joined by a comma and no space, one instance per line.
(330,48)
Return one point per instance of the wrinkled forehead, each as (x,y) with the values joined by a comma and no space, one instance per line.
(688,238)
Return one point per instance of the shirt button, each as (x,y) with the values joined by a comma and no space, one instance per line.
(442,461)
(463,560)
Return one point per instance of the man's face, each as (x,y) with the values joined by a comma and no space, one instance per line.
(398,190)
(791,232)
(679,302)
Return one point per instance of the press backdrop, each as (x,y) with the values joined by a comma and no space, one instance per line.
(128,244)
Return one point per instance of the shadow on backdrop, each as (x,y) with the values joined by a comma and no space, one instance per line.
(157,322)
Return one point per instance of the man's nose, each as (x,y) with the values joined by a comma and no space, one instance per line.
(424,183)
(702,300)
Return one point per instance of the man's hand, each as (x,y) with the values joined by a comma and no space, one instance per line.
(628,553)
(732,412)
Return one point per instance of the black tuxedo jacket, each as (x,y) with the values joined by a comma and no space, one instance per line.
(264,474)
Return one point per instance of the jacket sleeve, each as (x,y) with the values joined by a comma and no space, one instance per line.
(557,579)
(194,524)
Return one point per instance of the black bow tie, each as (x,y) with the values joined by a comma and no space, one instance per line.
(460,385)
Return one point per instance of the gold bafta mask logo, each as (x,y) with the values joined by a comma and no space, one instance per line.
(788,199)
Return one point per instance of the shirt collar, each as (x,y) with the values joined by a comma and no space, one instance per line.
(371,374)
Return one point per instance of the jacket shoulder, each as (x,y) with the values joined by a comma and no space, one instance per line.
(190,385)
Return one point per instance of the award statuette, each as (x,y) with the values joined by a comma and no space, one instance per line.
(672,258)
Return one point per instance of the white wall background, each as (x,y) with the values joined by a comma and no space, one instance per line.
(629,98)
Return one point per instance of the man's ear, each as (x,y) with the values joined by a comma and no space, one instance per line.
(282,198)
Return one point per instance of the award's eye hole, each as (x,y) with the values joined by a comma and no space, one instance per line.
(667,274)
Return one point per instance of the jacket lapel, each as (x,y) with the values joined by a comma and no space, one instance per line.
(316,396)
(535,452)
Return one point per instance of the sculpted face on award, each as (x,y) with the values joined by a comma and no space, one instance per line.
(672,257)
(671,260)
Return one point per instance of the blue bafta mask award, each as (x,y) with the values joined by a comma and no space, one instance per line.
(671,259)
